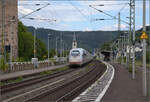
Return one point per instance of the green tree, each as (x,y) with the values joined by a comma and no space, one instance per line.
(26,45)
(106,46)
(52,53)
(3,65)
(41,50)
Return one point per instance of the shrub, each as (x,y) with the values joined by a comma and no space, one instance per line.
(3,65)
(130,68)
(20,59)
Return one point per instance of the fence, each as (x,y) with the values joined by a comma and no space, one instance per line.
(19,66)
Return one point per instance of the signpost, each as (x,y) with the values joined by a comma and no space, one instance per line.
(144,36)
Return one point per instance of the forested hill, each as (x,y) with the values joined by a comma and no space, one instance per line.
(85,39)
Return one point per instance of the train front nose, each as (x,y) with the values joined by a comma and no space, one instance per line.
(75,58)
(75,61)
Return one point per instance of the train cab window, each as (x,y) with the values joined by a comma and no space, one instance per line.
(75,53)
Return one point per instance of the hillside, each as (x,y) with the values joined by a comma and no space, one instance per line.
(86,39)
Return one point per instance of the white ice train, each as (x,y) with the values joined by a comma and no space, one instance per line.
(79,56)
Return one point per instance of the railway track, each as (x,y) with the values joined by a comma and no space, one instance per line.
(16,86)
(55,85)
(72,88)
(28,88)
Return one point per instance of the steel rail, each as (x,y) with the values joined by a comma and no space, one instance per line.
(25,83)
(52,91)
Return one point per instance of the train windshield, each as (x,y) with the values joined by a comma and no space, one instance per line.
(75,53)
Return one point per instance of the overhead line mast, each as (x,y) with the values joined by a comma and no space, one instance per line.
(113,17)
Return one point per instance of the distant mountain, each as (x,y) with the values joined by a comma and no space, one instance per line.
(85,39)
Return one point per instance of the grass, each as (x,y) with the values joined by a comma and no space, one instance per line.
(46,73)
(11,81)
(91,64)
(120,59)
(54,71)
(1,83)
(130,68)
(61,69)
(139,63)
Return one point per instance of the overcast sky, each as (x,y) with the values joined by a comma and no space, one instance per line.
(77,15)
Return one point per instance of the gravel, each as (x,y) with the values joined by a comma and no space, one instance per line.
(91,94)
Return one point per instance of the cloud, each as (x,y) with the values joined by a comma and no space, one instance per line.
(122,26)
(87,29)
(23,10)
(108,6)
(114,27)
(69,13)
(72,14)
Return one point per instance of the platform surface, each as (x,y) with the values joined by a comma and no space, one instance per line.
(123,88)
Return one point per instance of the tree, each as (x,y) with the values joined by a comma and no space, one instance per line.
(52,53)
(106,46)
(26,45)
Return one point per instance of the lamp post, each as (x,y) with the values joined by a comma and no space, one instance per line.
(35,43)
(56,47)
(61,45)
(125,45)
(144,52)
(122,49)
(11,43)
(62,48)
(48,47)
(132,17)
(149,50)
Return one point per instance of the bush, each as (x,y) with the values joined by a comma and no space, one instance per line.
(20,59)
(130,68)
(119,60)
(3,65)
(148,56)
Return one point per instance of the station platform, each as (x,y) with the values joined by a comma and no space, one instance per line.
(6,76)
(123,88)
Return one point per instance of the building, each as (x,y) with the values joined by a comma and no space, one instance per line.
(74,43)
(9,27)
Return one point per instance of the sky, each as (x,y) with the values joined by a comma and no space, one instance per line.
(76,15)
